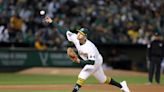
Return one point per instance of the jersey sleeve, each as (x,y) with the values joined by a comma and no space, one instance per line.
(72,37)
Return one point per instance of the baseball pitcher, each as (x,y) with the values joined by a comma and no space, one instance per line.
(91,58)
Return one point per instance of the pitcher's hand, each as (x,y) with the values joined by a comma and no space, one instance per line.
(48,19)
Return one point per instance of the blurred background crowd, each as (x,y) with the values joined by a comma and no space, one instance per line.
(109,21)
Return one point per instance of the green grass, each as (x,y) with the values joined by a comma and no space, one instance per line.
(9,79)
(21,79)
(12,79)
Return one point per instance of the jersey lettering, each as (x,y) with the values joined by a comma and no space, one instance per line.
(91,57)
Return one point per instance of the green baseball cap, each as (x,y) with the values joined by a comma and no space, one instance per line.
(83,31)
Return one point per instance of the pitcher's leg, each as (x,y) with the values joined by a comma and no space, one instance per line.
(84,74)
(78,85)
(99,74)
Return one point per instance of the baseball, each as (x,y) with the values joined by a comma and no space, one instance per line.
(42,12)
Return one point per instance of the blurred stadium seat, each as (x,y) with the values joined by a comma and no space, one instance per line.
(109,21)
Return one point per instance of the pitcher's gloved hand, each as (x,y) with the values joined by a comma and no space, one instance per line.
(73,56)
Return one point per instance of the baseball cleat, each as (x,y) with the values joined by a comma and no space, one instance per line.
(124,87)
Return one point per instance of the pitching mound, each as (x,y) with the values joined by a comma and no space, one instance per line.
(75,71)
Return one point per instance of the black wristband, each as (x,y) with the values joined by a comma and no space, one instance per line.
(87,62)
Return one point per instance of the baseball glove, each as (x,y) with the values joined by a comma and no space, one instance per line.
(73,56)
